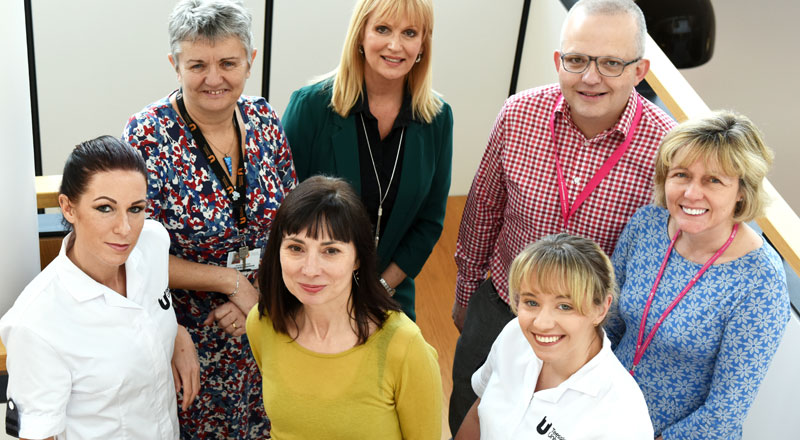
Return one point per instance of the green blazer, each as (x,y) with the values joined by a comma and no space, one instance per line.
(322,142)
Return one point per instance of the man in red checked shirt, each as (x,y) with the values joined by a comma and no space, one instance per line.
(573,157)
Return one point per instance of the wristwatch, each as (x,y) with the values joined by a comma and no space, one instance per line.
(389,289)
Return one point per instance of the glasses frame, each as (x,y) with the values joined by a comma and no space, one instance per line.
(591,58)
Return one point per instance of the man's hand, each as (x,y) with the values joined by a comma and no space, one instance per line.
(459,314)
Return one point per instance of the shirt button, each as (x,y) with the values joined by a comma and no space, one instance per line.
(576,180)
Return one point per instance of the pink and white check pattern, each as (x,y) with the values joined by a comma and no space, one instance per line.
(514,197)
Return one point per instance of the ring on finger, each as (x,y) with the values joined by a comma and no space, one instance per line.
(234,325)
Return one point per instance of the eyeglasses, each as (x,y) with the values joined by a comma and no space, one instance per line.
(607,66)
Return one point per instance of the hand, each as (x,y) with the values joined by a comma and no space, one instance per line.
(459,315)
(229,318)
(247,295)
(185,367)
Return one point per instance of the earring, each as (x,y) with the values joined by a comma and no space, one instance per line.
(419,57)
(355,276)
(361,50)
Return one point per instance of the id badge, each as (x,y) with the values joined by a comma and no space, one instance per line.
(244,259)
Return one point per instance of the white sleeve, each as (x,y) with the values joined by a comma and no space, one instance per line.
(39,382)
(481,377)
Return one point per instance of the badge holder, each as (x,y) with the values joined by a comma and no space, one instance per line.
(244,259)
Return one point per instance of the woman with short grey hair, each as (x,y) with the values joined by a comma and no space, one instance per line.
(219,166)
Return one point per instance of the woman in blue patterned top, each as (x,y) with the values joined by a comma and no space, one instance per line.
(700,347)
(219,166)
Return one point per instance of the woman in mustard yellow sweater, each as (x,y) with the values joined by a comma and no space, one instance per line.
(338,358)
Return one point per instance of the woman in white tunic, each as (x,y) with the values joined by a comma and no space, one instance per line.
(551,372)
(91,338)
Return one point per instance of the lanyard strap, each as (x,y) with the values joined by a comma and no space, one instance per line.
(641,347)
(234,193)
(566,210)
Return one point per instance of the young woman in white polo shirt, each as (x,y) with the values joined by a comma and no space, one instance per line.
(551,373)
(91,338)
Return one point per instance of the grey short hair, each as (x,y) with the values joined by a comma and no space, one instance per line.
(612,7)
(210,20)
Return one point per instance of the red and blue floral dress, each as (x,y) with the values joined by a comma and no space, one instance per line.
(185,195)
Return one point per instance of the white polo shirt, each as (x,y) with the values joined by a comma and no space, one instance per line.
(599,401)
(84,362)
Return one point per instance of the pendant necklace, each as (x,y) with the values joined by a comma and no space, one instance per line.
(227,158)
(381,195)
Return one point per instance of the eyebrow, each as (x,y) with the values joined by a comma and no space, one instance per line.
(535,295)
(138,202)
(197,60)
(324,243)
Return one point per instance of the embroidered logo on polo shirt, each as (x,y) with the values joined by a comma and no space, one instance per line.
(547,428)
(164,300)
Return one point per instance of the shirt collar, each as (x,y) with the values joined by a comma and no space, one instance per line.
(404,117)
(585,380)
(82,287)
(623,123)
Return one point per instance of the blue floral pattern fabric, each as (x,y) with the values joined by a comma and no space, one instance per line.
(188,199)
(704,366)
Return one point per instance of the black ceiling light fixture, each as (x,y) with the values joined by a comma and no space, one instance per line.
(683,29)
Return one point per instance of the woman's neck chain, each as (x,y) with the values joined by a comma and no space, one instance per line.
(381,194)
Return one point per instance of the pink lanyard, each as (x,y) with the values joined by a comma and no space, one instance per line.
(566,210)
(640,348)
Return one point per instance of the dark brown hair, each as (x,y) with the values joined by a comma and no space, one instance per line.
(105,153)
(323,205)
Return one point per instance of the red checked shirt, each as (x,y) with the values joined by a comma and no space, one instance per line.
(514,197)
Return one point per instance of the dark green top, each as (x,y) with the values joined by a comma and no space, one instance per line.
(322,142)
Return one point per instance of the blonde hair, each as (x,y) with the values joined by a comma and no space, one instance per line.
(572,266)
(348,80)
(730,141)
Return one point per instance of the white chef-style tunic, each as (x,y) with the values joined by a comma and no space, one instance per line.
(600,401)
(84,362)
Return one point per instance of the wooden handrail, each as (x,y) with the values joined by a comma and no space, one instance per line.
(780,223)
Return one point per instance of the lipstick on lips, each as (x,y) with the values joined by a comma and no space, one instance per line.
(119,247)
(312,288)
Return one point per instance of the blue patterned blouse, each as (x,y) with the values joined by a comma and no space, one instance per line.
(703,368)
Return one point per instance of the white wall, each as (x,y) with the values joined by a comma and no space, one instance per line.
(542,38)
(473,53)
(100,61)
(775,413)
(754,71)
(19,259)
(108,60)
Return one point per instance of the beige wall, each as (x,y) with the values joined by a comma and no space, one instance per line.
(754,70)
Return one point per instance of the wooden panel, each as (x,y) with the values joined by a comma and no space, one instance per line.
(436,286)
(48,249)
(780,223)
(47,191)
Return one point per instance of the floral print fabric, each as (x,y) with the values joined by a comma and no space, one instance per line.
(189,200)
(704,366)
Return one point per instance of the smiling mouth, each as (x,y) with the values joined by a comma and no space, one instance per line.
(214,92)
(693,211)
(547,340)
(392,60)
(591,95)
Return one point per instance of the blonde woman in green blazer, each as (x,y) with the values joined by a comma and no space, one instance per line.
(376,122)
